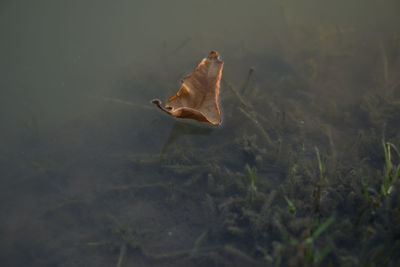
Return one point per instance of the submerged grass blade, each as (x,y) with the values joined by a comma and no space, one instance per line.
(391,170)
(292,206)
(321,165)
(321,228)
(251,175)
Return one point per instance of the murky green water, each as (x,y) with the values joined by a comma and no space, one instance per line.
(303,170)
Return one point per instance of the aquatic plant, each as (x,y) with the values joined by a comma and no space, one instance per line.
(391,168)
(321,180)
(309,253)
(252,189)
(292,206)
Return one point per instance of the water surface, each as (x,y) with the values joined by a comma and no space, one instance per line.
(92,174)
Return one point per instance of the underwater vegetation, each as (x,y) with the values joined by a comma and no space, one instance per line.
(309,174)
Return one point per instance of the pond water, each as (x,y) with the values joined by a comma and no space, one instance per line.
(303,170)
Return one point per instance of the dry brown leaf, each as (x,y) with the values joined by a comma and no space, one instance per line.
(197,98)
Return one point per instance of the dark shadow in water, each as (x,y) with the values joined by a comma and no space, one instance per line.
(184,128)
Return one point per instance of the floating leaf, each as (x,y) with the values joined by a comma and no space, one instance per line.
(198,96)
